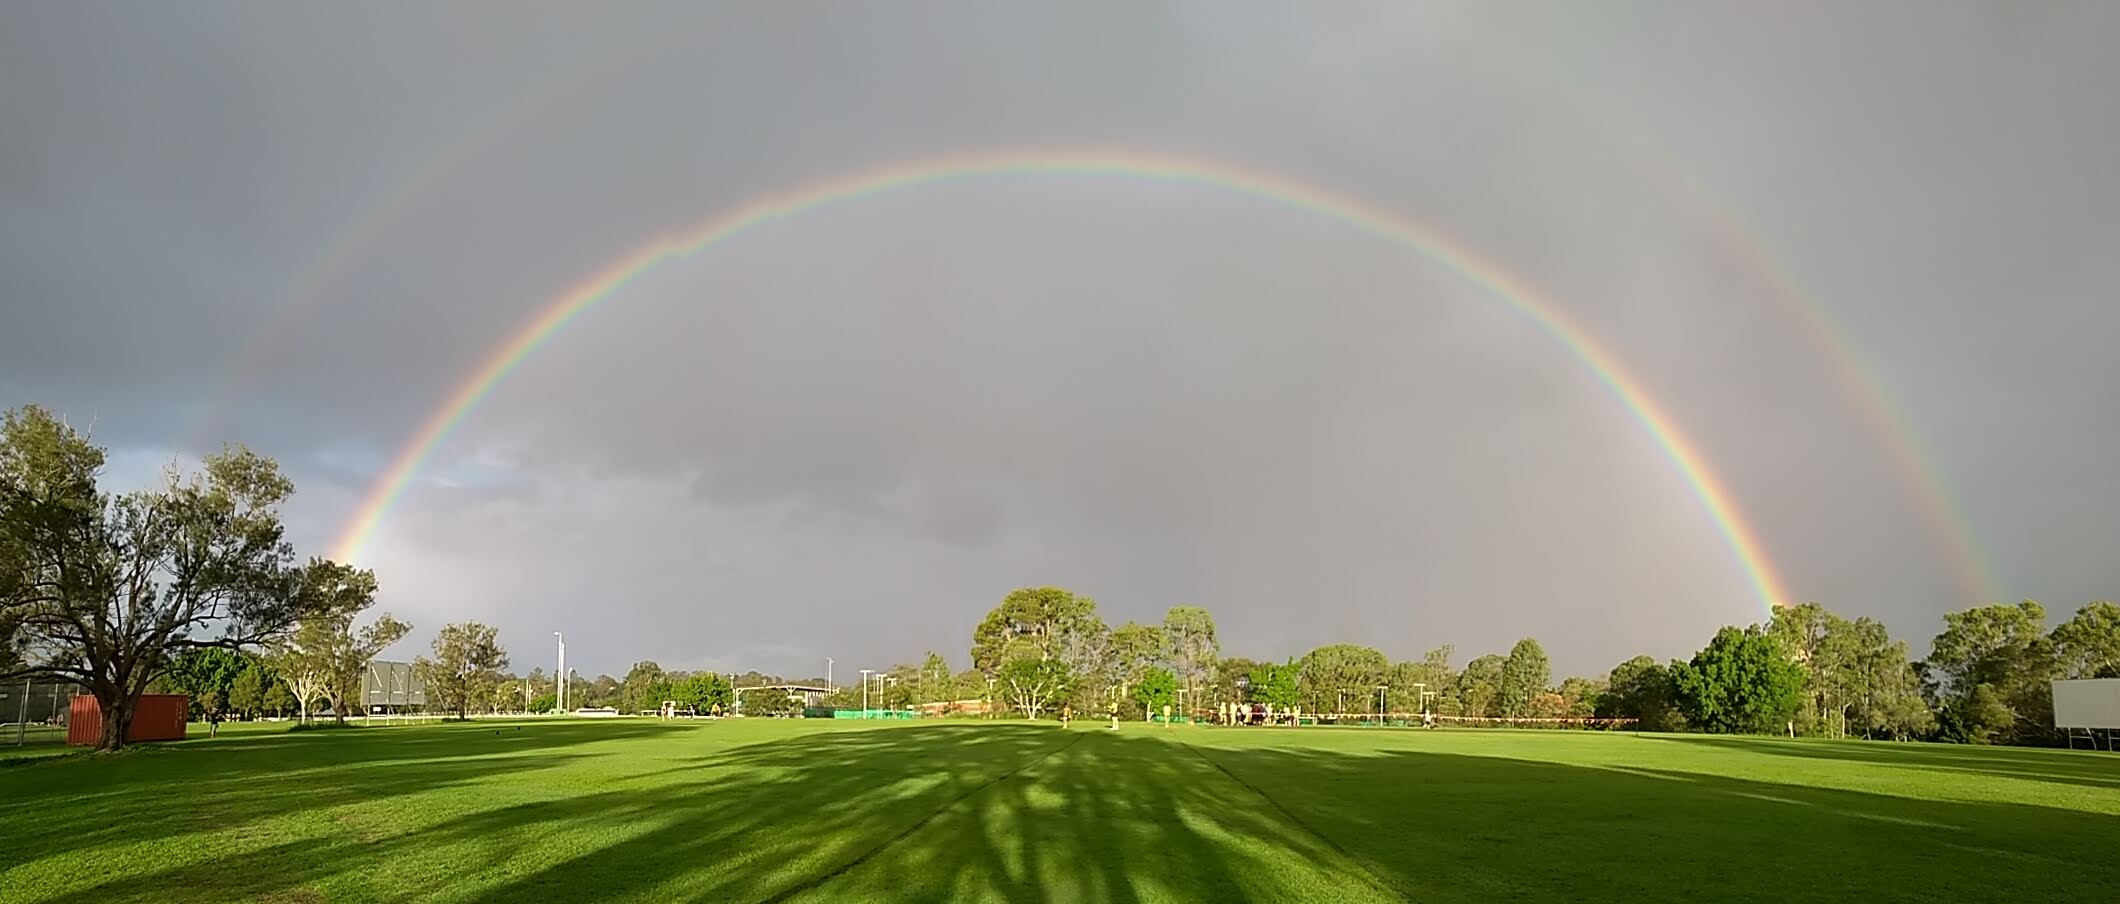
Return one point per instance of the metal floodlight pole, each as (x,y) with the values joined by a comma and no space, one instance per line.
(828,674)
(560,693)
(1383,691)
(865,693)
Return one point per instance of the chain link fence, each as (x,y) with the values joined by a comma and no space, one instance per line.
(34,712)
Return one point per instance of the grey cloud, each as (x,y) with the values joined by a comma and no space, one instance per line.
(849,432)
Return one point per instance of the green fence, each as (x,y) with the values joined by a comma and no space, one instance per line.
(827,712)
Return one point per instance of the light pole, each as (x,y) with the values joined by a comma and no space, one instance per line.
(560,693)
(865,693)
(828,674)
(1383,693)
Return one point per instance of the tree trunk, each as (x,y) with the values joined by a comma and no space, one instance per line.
(117,719)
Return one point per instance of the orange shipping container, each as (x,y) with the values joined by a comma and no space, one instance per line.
(157,717)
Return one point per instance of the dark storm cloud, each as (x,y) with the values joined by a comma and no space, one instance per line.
(848,433)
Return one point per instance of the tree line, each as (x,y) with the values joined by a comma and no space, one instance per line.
(191,585)
(1807,671)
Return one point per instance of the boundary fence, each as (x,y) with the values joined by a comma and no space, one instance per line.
(33,712)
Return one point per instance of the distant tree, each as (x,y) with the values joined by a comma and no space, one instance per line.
(303,663)
(1476,687)
(1134,649)
(504,694)
(639,687)
(970,684)
(770,703)
(537,682)
(544,703)
(604,691)
(2088,645)
(1744,681)
(467,658)
(1579,696)
(1408,680)
(1046,624)
(1341,677)
(2004,647)
(1976,716)
(1878,686)
(702,691)
(278,698)
(1190,631)
(208,676)
(1032,682)
(106,589)
(348,654)
(936,683)
(1278,686)
(1546,705)
(247,696)
(1051,621)
(1232,678)
(1824,646)
(1641,688)
(1525,674)
(897,687)
(1157,688)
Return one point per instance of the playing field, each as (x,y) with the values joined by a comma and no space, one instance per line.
(762,810)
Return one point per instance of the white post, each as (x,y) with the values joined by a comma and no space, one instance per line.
(865,693)
(559,693)
(828,674)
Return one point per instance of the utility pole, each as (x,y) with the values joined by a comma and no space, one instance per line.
(560,693)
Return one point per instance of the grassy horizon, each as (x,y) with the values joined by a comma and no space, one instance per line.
(773,810)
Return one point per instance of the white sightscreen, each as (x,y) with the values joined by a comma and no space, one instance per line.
(392,684)
(2090,703)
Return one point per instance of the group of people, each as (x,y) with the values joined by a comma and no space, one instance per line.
(1226,714)
(1266,714)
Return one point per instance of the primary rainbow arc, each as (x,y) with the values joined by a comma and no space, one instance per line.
(1742,540)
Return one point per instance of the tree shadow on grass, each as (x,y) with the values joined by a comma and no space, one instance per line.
(156,793)
(1447,827)
(1035,813)
(2087,768)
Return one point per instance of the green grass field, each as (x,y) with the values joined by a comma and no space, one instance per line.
(763,810)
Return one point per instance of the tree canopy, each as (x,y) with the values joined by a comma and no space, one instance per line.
(1743,681)
(467,658)
(1525,674)
(108,589)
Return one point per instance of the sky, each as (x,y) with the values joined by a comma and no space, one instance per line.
(848,432)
